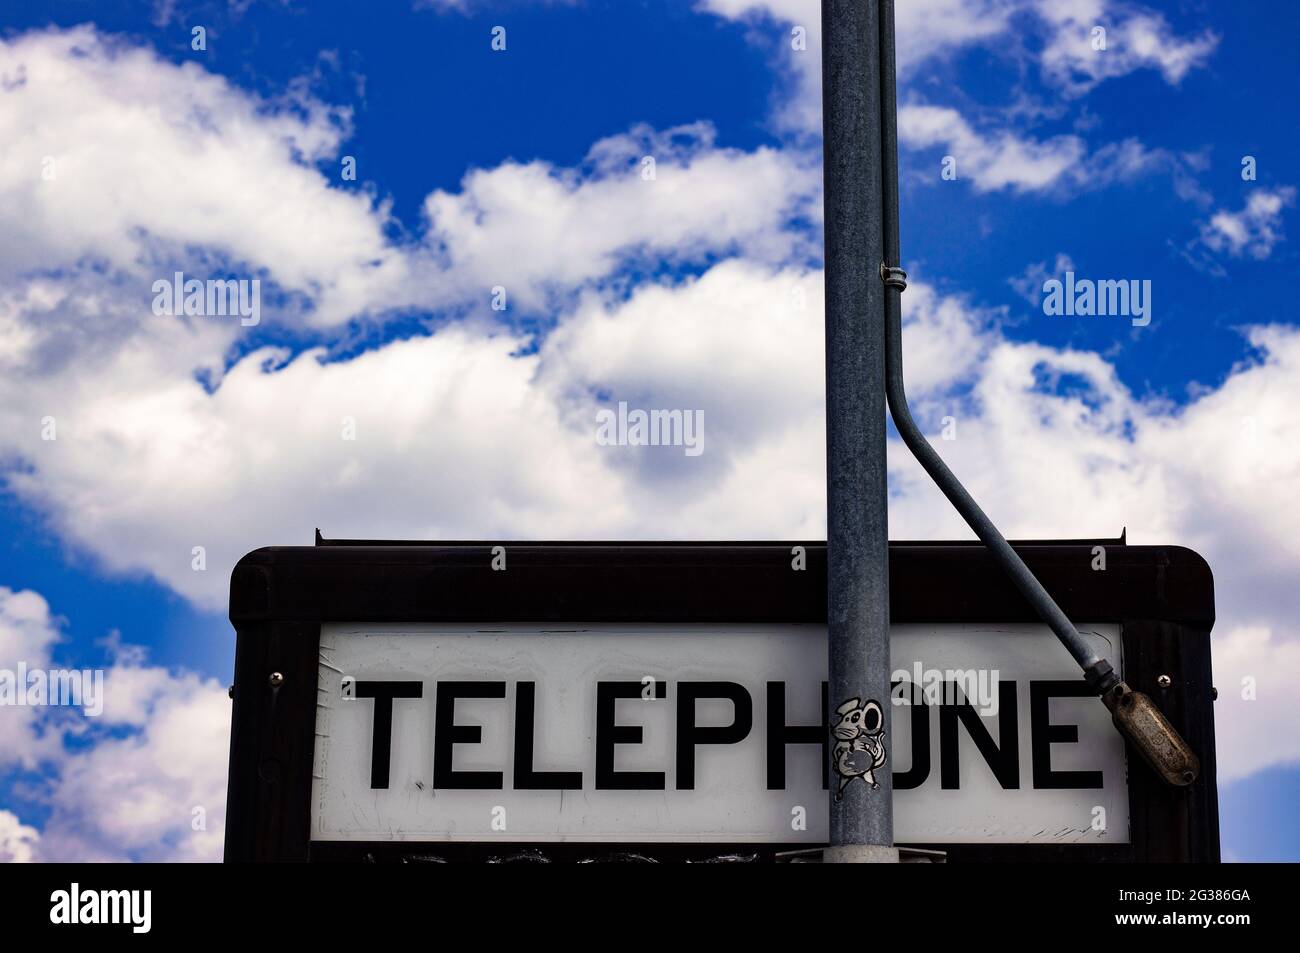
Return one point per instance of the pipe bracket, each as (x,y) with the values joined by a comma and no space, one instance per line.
(893,277)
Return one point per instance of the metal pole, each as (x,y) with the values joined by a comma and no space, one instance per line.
(857,541)
(1134,713)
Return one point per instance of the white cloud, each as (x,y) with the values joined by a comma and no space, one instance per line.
(129,785)
(27,637)
(945,339)
(118,157)
(18,841)
(1252,232)
(126,167)
(1003,159)
(159,793)
(1000,160)
(1255,668)
(152,428)
(1134,39)
(532,228)
(147,454)
(931,28)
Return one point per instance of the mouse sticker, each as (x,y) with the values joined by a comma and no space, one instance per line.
(859,743)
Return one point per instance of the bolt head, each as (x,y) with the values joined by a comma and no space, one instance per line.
(1164,681)
(276,679)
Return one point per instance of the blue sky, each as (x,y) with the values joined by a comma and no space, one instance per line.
(478,167)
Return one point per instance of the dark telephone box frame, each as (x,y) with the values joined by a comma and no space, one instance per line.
(1161,596)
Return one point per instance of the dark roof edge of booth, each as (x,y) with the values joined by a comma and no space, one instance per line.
(579,581)
(1120,540)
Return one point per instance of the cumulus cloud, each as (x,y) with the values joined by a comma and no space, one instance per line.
(231,183)
(156,791)
(158,459)
(1255,667)
(27,636)
(18,841)
(1252,232)
(666,195)
(147,454)
(117,158)
(1001,160)
(998,159)
(1074,60)
(144,780)
(120,423)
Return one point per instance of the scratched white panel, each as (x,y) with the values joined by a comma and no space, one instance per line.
(730,801)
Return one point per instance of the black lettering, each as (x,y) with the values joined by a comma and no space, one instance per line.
(447,733)
(609,734)
(1043,734)
(381,739)
(915,776)
(779,734)
(1003,758)
(690,734)
(526,779)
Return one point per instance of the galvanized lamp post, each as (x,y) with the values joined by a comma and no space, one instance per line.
(864,363)
(857,536)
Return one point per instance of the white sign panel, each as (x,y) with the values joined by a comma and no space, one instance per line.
(714,733)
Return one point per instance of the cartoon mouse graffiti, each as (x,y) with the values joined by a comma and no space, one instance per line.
(859,743)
